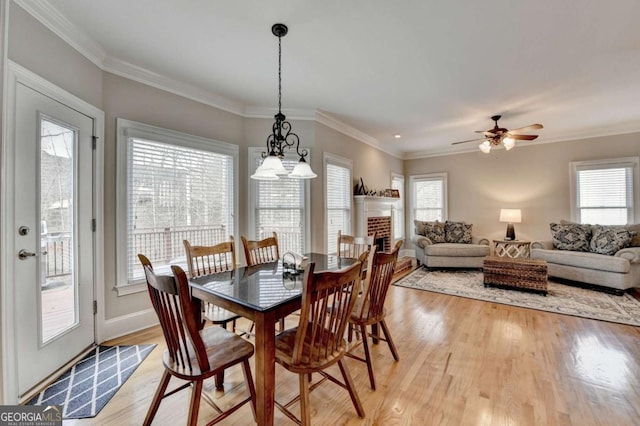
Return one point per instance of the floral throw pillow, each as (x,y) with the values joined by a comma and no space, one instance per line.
(609,239)
(435,231)
(457,232)
(573,237)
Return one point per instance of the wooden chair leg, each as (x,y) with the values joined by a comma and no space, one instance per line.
(351,388)
(157,398)
(305,409)
(219,378)
(194,407)
(248,379)
(367,356)
(387,335)
(349,332)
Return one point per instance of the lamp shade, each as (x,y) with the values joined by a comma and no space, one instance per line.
(263,173)
(485,147)
(510,215)
(273,163)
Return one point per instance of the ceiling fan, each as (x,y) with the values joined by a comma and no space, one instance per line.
(493,137)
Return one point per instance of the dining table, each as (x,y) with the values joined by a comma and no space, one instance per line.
(264,294)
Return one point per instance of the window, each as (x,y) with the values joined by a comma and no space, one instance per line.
(338,182)
(603,191)
(397,182)
(280,206)
(429,196)
(171,187)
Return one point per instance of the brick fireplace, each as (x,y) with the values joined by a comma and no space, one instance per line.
(375,214)
(382,227)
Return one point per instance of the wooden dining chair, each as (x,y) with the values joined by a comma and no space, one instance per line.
(261,251)
(318,340)
(352,247)
(193,353)
(204,260)
(369,309)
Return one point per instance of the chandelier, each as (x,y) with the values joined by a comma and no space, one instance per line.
(282,138)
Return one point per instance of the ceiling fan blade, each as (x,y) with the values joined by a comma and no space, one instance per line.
(523,137)
(487,133)
(527,128)
(470,140)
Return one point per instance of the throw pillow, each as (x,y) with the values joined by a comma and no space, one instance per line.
(435,231)
(419,227)
(609,239)
(635,232)
(572,237)
(457,232)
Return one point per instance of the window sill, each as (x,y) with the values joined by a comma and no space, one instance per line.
(126,290)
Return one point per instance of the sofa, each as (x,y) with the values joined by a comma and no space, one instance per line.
(448,245)
(607,257)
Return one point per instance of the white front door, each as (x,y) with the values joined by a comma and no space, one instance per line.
(53,236)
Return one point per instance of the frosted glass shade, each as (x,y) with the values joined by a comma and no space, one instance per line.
(485,147)
(302,170)
(264,174)
(508,143)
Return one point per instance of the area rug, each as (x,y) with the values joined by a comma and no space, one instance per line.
(87,387)
(562,299)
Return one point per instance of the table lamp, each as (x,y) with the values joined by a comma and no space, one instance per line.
(510,216)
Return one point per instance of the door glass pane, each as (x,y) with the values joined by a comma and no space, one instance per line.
(57,272)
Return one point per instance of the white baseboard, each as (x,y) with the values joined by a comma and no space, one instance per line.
(127,324)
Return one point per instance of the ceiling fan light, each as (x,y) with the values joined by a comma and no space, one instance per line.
(485,147)
(508,143)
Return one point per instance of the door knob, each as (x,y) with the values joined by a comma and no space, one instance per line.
(23,254)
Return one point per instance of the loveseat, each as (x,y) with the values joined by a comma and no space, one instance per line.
(604,256)
(448,245)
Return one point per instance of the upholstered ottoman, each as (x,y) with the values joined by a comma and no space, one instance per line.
(520,274)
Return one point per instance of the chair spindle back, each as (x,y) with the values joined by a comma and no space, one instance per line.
(262,251)
(204,260)
(327,301)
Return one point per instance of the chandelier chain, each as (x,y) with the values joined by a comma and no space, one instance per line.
(279,74)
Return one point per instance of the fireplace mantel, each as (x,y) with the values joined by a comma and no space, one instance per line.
(367,206)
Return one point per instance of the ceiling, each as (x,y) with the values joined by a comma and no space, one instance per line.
(432,71)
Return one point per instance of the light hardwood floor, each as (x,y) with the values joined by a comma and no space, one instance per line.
(462,362)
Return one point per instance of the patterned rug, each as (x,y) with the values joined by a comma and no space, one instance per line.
(87,387)
(562,299)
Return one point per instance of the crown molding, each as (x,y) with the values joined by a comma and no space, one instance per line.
(345,129)
(52,19)
(159,81)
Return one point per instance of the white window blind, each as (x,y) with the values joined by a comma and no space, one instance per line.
(280,208)
(397,182)
(429,197)
(171,186)
(604,192)
(338,199)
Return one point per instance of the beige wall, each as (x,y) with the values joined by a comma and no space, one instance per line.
(36,48)
(533,178)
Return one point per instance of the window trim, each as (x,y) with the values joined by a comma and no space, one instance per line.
(329,158)
(429,176)
(401,211)
(127,129)
(634,162)
(256,152)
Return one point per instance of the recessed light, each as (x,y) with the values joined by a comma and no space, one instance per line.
(397,136)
